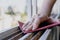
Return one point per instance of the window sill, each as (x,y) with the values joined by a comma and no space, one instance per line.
(8,33)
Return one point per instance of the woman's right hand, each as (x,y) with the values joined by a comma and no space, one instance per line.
(34,23)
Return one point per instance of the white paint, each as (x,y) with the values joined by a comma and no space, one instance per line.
(34,7)
(25,36)
(29,9)
(45,35)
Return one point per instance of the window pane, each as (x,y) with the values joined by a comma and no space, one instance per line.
(12,11)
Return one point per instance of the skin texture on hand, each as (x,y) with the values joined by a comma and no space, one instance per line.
(43,15)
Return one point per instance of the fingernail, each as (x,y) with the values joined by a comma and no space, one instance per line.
(33,28)
(24,28)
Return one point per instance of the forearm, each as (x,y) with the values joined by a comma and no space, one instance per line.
(46,7)
(41,16)
(45,10)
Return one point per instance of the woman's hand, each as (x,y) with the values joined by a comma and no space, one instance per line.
(34,23)
(44,12)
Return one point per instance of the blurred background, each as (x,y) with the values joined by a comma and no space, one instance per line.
(12,11)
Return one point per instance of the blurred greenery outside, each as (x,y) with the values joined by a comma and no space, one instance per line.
(10,19)
(23,16)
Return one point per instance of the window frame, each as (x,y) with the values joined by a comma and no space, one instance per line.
(8,33)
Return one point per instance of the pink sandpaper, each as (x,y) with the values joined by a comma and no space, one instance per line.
(53,24)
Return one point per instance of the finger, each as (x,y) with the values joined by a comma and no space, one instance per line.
(36,24)
(29,24)
(26,26)
(29,28)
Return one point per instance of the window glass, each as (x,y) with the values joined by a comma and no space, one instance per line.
(12,11)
